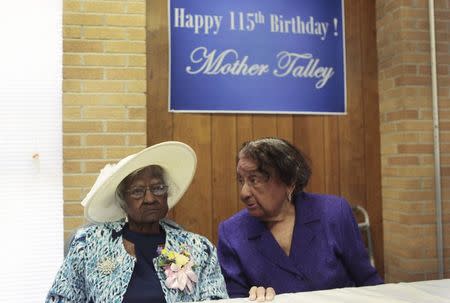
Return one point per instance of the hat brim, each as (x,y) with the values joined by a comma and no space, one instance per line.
(176,158)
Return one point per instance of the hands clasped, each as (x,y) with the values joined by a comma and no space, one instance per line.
(261,294)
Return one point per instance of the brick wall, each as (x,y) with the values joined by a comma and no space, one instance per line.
(443,72)
(406,129)
(104,92)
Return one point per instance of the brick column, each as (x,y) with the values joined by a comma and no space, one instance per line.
(104,92)
(406,129)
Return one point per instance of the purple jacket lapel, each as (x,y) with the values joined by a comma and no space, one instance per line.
(305,228)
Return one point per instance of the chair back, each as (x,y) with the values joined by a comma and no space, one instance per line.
(362,218)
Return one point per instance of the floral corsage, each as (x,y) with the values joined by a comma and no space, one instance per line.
(178,268)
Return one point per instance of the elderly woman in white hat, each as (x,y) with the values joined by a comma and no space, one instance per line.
(131,253)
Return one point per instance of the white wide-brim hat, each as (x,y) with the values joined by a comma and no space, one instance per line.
(177,159)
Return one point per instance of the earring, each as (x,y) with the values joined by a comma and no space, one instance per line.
(289,196)
(290,192)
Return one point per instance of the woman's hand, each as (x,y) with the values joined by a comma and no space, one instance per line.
(261,294)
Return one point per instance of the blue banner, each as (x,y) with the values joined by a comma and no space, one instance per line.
(257,56)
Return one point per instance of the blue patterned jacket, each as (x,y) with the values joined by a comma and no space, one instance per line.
(97,267)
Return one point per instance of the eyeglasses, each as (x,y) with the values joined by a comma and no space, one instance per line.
(140,192)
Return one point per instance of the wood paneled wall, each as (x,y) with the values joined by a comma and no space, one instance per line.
(344,150)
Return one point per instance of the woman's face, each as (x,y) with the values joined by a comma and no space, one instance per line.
(152,206)
(264,196)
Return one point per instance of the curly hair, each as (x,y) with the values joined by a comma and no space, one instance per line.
(279,157)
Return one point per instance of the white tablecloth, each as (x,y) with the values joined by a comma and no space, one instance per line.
(434,291)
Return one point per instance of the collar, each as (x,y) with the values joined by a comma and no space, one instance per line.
(117,226)
(304,214)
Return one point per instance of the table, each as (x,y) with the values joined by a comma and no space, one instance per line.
(433,291)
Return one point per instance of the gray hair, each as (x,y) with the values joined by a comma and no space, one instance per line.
(279,157)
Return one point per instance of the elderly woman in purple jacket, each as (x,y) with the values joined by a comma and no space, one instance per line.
(287,240)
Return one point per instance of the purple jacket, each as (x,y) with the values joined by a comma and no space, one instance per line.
(326,251)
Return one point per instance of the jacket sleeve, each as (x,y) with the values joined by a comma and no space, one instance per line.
(232,270)
(68,285)
(354,252)
(212,283)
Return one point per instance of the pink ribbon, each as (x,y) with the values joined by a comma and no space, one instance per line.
(180,277)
